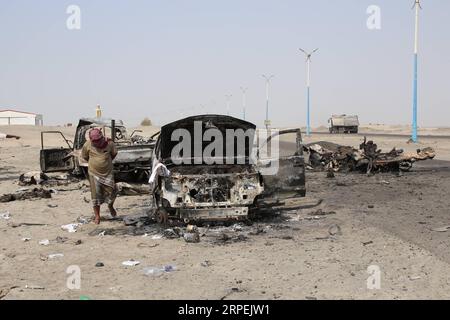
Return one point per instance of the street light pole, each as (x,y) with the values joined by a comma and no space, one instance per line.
(416,6)
(267,122)
(244,101)
(308,89)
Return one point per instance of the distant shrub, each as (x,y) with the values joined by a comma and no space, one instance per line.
(146,122)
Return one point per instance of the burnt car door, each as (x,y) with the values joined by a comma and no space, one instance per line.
(56,159)
(283,171)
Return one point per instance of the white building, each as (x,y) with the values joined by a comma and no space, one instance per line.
(13,117)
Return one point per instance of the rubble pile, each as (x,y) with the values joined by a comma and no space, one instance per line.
(368,159)
(36,193)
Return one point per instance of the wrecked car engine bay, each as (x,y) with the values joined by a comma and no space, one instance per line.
(226,182)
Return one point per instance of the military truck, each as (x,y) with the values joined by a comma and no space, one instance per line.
(131,164)
(343,124)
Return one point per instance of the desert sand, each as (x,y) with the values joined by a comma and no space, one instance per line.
(384,220)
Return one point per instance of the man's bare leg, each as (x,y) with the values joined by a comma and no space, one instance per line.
(97,214)
(112,210)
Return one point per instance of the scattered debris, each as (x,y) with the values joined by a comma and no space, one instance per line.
(153,271)
(441,229)
(157,237)
(413,278)
(4,136)
(52,206)
(5,216)
(172,233)
(5,291)
(130,263)
(83,220)
(334,230)
(45,242)
(78,242)
(61,239)
(144,245)
(170,268)
(367,243)
(231,291)
(126,189)
(37,193)
(136,219)
(158,271)
(191,228)
(206,263)
(32,287)
(315,217)
(71,228)
(32,178)
(320,212)
(368,159)
(26,224)
(26,239)
(259,230)
(286,238)
(99,264)
(55,255)
(191,237)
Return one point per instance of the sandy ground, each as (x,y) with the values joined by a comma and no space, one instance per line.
(383,220)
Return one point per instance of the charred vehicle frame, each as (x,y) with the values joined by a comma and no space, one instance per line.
(201,191)
(131,164)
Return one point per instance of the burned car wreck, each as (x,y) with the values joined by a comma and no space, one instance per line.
(131,164)
(210,168)
(367,159)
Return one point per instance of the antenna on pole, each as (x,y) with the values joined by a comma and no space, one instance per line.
(416,3)
(244,101)
(308,86)
(267,121)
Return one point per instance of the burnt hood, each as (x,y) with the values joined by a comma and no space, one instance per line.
(210,121)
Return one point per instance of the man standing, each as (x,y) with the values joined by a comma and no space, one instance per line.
(100,153)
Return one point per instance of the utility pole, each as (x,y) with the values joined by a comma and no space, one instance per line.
(416,6)
(267,122)
(244,101)
(308,88)
(228,96)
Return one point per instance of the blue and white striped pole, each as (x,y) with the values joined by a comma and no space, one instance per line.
(416,42)
(308,96)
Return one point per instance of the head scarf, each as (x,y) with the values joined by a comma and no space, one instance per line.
(97,138)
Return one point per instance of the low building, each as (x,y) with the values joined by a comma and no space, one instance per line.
(13,117)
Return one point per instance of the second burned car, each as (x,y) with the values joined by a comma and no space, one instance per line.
(214,167)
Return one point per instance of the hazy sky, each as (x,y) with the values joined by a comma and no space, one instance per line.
(165,59)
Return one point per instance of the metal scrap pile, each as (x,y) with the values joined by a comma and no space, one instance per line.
(368,159)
